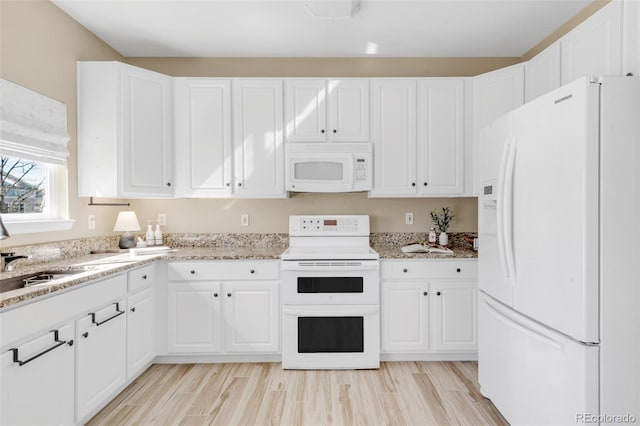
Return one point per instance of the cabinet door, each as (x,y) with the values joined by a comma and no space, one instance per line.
(348,110)
(631,38)
(203,137)
(40,391)
(542,73)
(394,137)
(454,320)
(306,110)
(405,316)
(440,136)
(100,358)
(146,157)
(141,331)
(193,317)
(494,94)
(258,141)
(595,46)
(252,316)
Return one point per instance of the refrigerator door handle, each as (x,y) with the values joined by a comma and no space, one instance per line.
(507,205)
(500,209)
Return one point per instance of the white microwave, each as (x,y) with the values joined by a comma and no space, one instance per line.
(328,167)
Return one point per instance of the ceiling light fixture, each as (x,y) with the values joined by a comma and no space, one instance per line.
(333,9)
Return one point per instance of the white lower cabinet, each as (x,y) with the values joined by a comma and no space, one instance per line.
(429,306)
(101,357)
(141,340)
(239,315)
(38,380)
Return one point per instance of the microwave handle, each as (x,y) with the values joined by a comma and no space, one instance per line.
(352,172)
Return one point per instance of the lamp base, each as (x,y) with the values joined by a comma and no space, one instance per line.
(127,241)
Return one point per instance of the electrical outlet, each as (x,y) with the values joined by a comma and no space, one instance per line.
(244,219)
(408,218)
(91,221)
(162,219)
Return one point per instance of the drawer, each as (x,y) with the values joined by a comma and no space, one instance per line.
(223,270)
(29,319)
(427,269)
(142,277)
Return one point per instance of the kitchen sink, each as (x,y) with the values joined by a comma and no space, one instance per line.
(39,278)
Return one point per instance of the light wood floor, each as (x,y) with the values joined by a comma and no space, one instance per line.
(399,393)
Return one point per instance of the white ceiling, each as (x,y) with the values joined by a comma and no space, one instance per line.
(269,28)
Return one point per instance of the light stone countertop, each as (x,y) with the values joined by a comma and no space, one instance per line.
(105,265)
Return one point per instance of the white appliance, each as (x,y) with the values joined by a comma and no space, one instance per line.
(559,258)
(328,167)
(330,294)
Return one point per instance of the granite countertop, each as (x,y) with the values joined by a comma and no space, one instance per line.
(269,247)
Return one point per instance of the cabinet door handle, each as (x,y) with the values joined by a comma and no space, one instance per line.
(228,184)
(215,294)
(335,130)
(85,334)
(192,272)
(133,309)
(144,277)
(458,270)
(239,184)
(438,293)
(58,343)
(424,184)
(70,343)
(99,323)
(168,183)
(321,130)
(425,294)
(405,270)
(252,271)
(413,184)
(228,294)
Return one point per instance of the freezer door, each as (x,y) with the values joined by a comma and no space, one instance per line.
(532,374)
(492,268)
(554,229)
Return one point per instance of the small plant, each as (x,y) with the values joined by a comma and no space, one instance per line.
(443,220)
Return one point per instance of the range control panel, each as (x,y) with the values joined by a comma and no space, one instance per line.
(329,225)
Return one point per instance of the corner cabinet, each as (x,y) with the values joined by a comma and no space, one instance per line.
(124,131)
(217,307)
(429,307)
(319,110)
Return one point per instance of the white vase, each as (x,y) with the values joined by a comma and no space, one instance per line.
(443,239)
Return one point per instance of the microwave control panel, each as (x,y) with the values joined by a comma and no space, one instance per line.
(329,225)
(361,169)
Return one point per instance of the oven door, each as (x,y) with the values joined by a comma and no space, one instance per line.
(331,337)
(330,282)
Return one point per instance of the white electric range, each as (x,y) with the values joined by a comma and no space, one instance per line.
(330,294)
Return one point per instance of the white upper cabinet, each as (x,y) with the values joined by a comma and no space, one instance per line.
(494,94)
(542,73)
(440,136)
(124,131)
(319,110)
(631,38)
(394,137)
(203,137)
(595,46)
(258,143)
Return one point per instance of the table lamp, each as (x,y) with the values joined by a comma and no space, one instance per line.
(127,222)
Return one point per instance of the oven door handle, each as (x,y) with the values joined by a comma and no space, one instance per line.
(327,269)
(341,312)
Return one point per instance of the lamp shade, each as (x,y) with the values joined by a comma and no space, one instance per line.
(127,221)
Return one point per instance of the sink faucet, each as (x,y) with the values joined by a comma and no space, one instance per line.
(7,258)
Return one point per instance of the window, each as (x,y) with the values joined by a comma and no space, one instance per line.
(33,155)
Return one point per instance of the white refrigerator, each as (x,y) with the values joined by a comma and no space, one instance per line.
(559,256)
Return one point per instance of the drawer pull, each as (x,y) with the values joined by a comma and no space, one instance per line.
(133,309)
(405,270)
(252,271)
(16,357)
(192,272)
(99,323)
(144,277)
(85,334)
(458,270)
